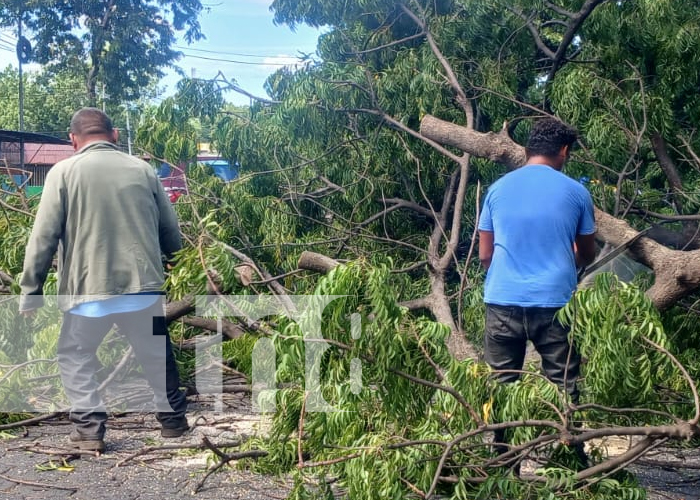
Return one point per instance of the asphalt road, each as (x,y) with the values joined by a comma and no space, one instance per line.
(139,465)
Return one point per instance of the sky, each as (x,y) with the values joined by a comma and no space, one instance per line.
(241,41)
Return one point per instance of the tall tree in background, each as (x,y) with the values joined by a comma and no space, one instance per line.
(49,101)
(120,45)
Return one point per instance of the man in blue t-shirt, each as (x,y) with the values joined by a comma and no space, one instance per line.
(535,229)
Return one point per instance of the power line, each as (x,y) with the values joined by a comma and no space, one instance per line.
(8,39)
(242,62)
(222,52)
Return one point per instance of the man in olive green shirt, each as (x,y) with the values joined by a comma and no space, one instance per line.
(109,219)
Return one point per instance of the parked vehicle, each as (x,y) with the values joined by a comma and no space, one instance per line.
(174,178)
(221,166)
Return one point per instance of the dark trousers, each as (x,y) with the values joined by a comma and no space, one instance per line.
(146,331)
(508,328)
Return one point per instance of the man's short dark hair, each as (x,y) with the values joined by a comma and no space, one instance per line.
(548,136)
(90,121)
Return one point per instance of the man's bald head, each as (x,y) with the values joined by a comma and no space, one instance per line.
(90,125)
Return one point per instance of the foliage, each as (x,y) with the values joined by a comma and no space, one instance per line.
(49,102)
(614,321)
(172,130)
(640,87)
(385,440)
(167,133)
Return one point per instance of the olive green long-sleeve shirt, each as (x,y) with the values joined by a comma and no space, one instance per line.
(107,215)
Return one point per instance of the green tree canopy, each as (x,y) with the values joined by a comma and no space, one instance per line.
(119,45)
(49,100)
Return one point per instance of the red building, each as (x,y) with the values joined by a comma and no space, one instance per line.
(41,152)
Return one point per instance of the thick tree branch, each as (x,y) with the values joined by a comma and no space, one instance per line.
(228,329)
(450,251)
(497,147)
(6,282)
(549,53)
(180,308)
(316,262)
(559,10)
(668,166)
(677,272)
(574,25)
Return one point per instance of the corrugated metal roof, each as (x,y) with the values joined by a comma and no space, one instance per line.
(29,137)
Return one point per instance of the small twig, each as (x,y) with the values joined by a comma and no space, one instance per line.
(61,452)
(225,460)
(38,485)
(211,446)
(29,421)
(413,488)
(426,355)
(686,375)
(332,461)
(22,365)
(300,432)
(117,369)
(174,447)
(463,277)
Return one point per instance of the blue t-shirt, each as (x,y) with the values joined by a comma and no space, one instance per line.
(535,214)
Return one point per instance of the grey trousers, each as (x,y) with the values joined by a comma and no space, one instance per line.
(146,331)
(508,328)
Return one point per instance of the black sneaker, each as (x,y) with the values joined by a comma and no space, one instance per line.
(175,431)
(86,443)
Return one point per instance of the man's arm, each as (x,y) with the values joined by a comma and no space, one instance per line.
(485,248)
(168,226)
(584,249)
(47,231)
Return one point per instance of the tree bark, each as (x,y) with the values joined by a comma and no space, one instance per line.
(312,261)
(228,329)
(667,165)
(6,282)
(498,147)
(439,305)
(180,308)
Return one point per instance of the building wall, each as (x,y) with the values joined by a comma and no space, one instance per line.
(38,159)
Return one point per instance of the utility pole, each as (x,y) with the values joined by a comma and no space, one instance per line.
(128,130)
(21,96)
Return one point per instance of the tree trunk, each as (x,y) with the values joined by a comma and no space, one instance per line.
(439,305)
